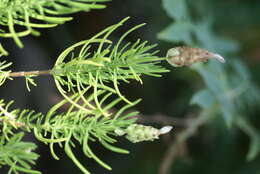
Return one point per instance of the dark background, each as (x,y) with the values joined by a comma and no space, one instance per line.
(207,151)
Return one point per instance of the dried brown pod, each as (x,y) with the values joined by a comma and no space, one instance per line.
(186,56)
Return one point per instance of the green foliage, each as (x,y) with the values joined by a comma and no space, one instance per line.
(4,73)
(203,98)
(98,70)
(29,81)
(31,14)
(180,9)
(17,154)
(82,127)
(229,87)
(89,82)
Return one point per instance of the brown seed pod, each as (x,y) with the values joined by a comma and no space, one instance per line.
(186,56)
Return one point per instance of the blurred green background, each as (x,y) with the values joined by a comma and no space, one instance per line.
(221,143)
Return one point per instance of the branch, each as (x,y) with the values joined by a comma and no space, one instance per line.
(29,73)
(166,120)
(175,147)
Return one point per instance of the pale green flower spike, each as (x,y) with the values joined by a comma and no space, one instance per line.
(137,133)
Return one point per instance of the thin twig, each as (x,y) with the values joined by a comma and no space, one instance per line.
(29,73)
(166,120)
(169,157)
(175,146)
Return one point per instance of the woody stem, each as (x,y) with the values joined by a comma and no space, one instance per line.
(30,73)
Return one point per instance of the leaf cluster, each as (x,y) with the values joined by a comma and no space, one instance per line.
(67,129)
(33,14)
(3,72)
(17,154)
(110,63)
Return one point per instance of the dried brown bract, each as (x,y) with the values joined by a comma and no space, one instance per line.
(186,56)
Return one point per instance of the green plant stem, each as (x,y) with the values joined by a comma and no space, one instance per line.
(30,73)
